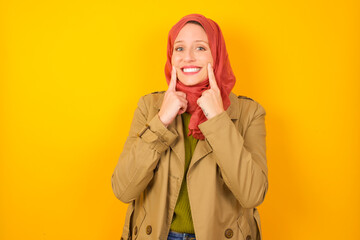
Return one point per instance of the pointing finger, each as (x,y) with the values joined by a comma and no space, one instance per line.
(172,85)
(212,79)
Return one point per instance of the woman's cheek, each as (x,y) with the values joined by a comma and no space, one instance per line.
(175,60)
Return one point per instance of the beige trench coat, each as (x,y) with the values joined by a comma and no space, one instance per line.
(226,180)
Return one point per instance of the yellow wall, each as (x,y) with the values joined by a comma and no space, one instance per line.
(72,72)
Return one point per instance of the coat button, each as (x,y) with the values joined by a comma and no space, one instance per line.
(248,237)
(135,230)
(148,230)
(229,233)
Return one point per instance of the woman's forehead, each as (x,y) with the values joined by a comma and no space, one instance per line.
(191,32)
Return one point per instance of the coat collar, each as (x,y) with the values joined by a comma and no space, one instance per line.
(233,109)
(202,148)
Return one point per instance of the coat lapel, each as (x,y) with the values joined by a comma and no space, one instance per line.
(203,147)
(179,147)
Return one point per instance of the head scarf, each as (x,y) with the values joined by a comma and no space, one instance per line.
(225,78)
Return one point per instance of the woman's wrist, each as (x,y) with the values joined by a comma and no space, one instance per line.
(166,125)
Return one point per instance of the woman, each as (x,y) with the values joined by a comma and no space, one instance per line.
(194,163)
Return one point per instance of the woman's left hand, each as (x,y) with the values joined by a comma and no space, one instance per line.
(210,100)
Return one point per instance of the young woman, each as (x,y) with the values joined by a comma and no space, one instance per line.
(194,164)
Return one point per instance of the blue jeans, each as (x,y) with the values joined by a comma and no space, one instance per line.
(180,236)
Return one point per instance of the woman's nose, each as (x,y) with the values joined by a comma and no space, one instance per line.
(189,56)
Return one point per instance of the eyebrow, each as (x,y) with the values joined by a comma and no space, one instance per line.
(195,41)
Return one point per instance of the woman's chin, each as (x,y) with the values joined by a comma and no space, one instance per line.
(190,82)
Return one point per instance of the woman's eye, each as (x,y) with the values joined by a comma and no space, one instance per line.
(181,48)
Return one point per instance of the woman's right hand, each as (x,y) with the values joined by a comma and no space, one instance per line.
(174,102)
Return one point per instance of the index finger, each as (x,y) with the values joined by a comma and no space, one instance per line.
(172,85)
(212,79)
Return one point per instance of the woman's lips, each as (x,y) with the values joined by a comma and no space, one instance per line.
(191,70)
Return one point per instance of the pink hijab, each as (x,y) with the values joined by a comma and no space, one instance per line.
(225,78)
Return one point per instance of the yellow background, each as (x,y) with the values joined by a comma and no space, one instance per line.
(71,75)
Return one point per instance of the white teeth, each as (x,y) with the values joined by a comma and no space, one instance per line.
(191,69)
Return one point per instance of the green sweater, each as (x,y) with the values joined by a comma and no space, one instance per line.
(182,220)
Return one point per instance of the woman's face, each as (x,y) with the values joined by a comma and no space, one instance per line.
(191,54)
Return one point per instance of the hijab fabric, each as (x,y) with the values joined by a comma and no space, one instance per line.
(224,76)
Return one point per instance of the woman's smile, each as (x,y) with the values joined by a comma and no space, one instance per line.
(190,70)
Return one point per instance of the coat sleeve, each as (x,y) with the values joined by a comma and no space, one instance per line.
(241,159)
(141,153)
